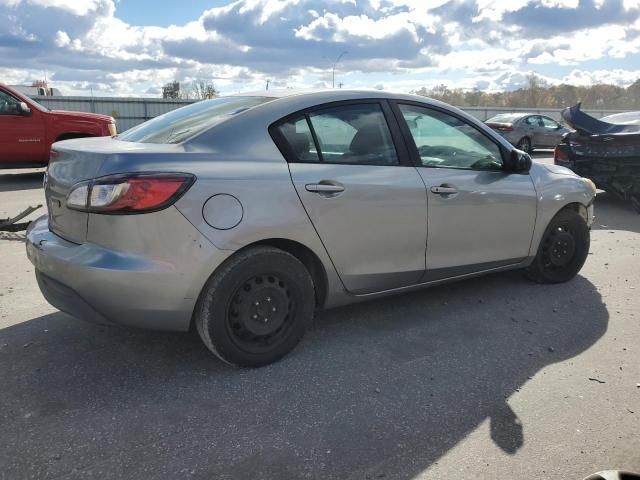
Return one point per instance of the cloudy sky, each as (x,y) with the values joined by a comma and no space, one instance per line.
(133,47)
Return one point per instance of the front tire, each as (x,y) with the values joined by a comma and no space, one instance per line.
(256,307)
(563,249)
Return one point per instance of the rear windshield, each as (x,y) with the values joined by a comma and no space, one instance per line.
(178,125)
(505,118)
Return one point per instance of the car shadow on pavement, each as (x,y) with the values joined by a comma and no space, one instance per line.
(616,214)
(381,389)
(10,182)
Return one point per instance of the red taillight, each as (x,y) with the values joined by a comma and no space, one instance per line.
(137,193)
(505,128)
(559,155)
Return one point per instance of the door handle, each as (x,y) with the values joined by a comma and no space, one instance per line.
(324,188)
(444,190)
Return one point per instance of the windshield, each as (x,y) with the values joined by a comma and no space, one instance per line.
(628,118)
(505,118)
(178,125)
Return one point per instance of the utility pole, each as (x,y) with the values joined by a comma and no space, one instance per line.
(268,84)
(333,71)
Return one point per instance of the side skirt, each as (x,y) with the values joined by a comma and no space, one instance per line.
(433,278)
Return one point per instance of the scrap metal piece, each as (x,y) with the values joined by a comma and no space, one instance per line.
(12,225)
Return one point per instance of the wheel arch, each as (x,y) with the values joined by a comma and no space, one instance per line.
(577,207)
(574,206)
(307,257)
(71,135)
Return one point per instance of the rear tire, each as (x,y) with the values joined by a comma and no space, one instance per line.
(256,307)
(525,145)
(563,249)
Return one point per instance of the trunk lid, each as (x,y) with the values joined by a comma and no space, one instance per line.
(82,159)
(500,126)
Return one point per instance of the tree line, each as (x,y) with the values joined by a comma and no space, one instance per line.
(539,94)
(196,90)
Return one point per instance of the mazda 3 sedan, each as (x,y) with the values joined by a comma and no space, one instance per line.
(242,215)
(527,131)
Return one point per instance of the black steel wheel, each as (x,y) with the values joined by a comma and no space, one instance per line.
(260,313)
(256,307)
(563,249)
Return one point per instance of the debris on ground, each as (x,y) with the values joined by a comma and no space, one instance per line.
(593,379)
(12,225)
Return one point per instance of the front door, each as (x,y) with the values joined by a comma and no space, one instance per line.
(479,215)
(552,132)
(21,135)
(367,207)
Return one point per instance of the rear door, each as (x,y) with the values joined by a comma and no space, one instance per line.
(534,130)
(480,216)
(350,170)
(22,136)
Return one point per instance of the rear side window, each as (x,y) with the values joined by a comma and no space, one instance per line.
(299,139)
(348,134)
(178,125)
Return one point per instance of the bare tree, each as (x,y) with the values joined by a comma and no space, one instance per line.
(171,90)
(201,90)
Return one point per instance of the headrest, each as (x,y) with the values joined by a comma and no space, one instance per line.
(367,140)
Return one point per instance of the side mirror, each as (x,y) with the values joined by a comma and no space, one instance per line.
(23,108)
(519,161)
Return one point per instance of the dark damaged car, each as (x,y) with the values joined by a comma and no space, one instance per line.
(605,150)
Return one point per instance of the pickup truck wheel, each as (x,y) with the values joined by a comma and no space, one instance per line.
(256,307)
(563,249)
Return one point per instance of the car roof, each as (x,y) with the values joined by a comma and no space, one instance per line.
(287,102)
(330,93)
(294,100)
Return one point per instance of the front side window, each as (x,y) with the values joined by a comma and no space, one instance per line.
(445,141)
(347,134)
(9,105)
(183,123)
(550,124)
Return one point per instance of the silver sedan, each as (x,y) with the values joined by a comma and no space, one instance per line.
(527,131)
(242,215)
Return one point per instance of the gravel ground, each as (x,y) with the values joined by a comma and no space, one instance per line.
(491,378)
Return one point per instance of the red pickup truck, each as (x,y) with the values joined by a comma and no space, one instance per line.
(27,129)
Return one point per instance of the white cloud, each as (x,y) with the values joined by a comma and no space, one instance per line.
(481,43)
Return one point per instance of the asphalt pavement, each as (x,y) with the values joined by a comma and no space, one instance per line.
(494,378)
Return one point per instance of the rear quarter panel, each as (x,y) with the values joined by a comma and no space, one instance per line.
(271,208)
(254,172)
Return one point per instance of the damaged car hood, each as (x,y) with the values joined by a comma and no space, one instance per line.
(585,123)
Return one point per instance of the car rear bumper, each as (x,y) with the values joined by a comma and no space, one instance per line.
(103,285)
